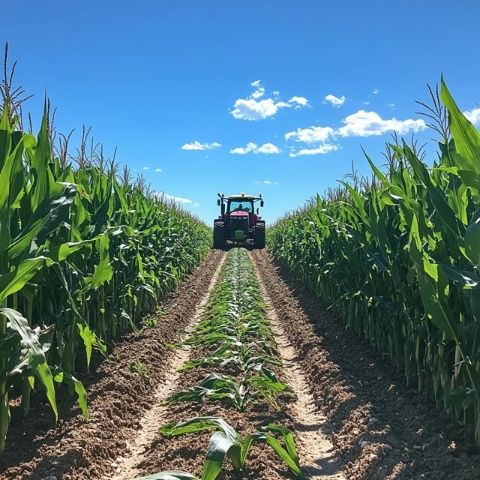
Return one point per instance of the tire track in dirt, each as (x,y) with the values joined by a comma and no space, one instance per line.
(381,428)
(317,454)
(77,449)
(155,416)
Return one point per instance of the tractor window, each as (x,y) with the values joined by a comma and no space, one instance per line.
(240,206)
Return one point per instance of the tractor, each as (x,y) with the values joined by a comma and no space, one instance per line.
(238,222)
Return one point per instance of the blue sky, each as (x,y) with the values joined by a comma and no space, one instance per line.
(268,96)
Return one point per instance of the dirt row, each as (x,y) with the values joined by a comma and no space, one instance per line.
(380,428)
(120,391)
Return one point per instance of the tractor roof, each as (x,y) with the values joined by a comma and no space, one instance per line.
(241,196)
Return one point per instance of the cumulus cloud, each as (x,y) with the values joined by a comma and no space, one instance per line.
(320,150)
(257,107)
(321,140)
(250,147)
(298,102)
(196,145)
(268,149)
(473,115)
(376,91)
(158,170)
(146,168)
(173,198)
(335,101)
(310,135)
(259,89)
(251,109)
(367,123)
(318,139)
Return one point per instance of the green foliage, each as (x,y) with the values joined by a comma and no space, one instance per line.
(235,329)
(227,442)
(84,256)
(399,259)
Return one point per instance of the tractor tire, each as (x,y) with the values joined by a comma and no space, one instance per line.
(259,236)
(218,235)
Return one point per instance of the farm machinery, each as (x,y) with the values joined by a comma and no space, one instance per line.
(239,223)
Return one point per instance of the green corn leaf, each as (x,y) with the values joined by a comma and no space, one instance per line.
(284,455)
(15,280)
(199,424)
(466,136)
(218,447)
(32,355)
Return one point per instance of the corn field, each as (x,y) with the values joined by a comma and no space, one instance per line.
(399,259)
(84,255)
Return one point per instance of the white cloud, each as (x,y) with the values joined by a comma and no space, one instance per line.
(268,149)
(251,109)
(158,170)
(259,89)
(320,140)
(250,147)
(269,182)
(473,115)
(298,102)
(320,150)
(317,138)
(173,198)
(334,101)
(366,124)
(376,91)
(255,107)
(196,145)
(146,168)
(310,135)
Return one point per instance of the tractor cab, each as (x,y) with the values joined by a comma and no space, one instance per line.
(239,222)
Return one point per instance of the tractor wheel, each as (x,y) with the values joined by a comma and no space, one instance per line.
(259,236)
(218,235)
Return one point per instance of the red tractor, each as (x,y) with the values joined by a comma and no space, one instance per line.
(238,222)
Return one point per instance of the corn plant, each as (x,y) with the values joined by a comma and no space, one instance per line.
(84,256)
(398,257)
(227,442)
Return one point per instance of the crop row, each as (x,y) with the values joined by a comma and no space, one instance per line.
(84,256)
(238,365)
(399,258)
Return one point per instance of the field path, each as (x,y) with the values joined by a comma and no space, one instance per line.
(316,450)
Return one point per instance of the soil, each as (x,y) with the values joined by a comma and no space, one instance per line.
(381,428)
(353,416)
(319,459)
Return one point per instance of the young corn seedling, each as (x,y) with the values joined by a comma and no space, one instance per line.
(226,442)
